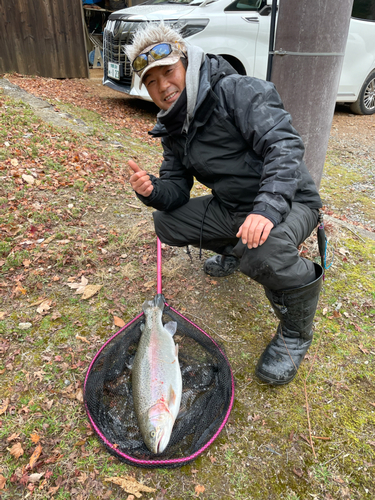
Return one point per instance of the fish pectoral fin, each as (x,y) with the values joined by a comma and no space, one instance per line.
(171,327)
(176,351)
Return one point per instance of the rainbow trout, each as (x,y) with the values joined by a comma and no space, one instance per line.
(156,377)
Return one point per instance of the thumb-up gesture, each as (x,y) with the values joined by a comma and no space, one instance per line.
(140,180)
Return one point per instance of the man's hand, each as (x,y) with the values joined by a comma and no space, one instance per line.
(255,230)
(140,180)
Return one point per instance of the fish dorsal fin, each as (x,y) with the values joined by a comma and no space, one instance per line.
(171,327)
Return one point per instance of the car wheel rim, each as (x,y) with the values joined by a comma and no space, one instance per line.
(369,96)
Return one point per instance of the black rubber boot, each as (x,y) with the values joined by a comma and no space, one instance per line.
(296,309)
(221,265)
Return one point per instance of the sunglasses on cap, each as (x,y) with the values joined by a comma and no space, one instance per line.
(160,51)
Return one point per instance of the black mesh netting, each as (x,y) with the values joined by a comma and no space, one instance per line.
(207,395)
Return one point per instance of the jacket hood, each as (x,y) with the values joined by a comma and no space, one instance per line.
(219,68)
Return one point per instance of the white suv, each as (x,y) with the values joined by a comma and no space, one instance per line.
(239,31)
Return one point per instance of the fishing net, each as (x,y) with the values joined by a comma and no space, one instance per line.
(207,395)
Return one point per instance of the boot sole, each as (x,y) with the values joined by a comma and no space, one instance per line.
(273,381)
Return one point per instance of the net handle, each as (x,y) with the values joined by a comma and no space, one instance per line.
(158,286)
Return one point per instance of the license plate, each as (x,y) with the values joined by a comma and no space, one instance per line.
(114,70)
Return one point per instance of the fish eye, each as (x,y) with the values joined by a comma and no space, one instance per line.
(152,434)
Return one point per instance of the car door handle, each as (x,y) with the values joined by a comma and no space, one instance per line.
(250,19)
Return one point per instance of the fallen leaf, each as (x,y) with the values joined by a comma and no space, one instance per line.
(53,490)
(130,485)
(14,436)
(39,374)
(29,179)
(2,482)
(18,290)
(4,406)
(338,479)
(141,223)
(79,287)
(44,306)
(56,315)
(35,438)
(199,489)
(83,477)
(118,321)
(79,395)
(149,284)
(2,315)
(14,162)
(49,239)
(34,457)
(298,472)
(49,404)
(34,478)
(81,443)
(37,302)
(24,326)
(90,291)
(82,338)
(16,450)
(54,459)
(26,262)
(363,349)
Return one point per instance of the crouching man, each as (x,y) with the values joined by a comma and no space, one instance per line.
(233,135)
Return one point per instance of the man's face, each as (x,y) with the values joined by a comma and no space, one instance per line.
(165,84)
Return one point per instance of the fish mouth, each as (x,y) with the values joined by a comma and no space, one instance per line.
(160,447)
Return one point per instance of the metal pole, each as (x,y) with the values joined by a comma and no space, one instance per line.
(272,39)
(309,51)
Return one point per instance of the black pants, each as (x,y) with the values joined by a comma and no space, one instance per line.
(276,264)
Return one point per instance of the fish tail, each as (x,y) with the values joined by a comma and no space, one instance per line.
(158,301)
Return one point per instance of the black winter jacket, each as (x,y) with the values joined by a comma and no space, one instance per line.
(240,144)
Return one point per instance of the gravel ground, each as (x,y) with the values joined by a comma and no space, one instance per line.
(352,141)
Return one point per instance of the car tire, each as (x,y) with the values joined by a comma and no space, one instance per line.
(365,104)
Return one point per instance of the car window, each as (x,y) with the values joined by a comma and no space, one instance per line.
(244,5)
(364,9)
